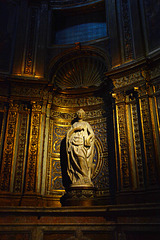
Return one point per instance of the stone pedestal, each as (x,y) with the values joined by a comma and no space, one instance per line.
(79,196)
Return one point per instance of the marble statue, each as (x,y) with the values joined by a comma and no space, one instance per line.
(80,152)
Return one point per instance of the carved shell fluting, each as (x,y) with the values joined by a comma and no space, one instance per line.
(80,72)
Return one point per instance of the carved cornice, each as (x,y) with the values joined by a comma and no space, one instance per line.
(135,73)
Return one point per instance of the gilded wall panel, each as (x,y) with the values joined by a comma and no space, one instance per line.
(34,147)
(9,147)
(62,114)
(137,145)
(147,138)
(123,143)
(22,149)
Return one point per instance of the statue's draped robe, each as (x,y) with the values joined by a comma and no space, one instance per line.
(80,151)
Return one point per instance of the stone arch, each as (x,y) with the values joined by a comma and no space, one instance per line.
(79,67)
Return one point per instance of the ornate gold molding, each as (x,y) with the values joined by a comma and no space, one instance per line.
(33,152)
(60,101)
(9,146)
(123,147)
(22,149)
(128,79)
(147,135)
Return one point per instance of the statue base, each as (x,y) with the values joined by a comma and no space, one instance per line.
(79,196)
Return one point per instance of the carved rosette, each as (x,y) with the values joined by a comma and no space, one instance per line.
(34,147)
(22,148)
(147,136)
(9,146)
(122,141)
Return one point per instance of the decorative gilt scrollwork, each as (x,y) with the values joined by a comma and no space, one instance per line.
(123,142)
(147,136)
(76,102)
(33,151)
(137,145)
(60,122)
(8,152)
(128,79)
(21,152)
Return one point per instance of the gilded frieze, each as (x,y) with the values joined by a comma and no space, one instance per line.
(128,79)
(26,91)
(76,102)
(70,116)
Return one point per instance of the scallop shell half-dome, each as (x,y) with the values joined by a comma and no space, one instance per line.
(80,72)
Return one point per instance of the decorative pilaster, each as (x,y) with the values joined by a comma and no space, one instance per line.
(3,117)
(22,149)
(150,167)
(122,141)
(153,103)
(9,147)
(136,162)
(33,152)
(45,152)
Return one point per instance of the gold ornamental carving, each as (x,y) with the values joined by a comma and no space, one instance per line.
(21,151)
(128,79)
(62,113)
(123,146)
(69,116)
(147,137)
(32,162)
(9,145)
(26,91)
(76,102)
(137,145)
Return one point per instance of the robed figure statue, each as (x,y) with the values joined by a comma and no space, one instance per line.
(80,152)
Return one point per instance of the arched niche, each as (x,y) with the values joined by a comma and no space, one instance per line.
(78,80)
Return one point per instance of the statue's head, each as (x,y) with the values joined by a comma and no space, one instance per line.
(80,114)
